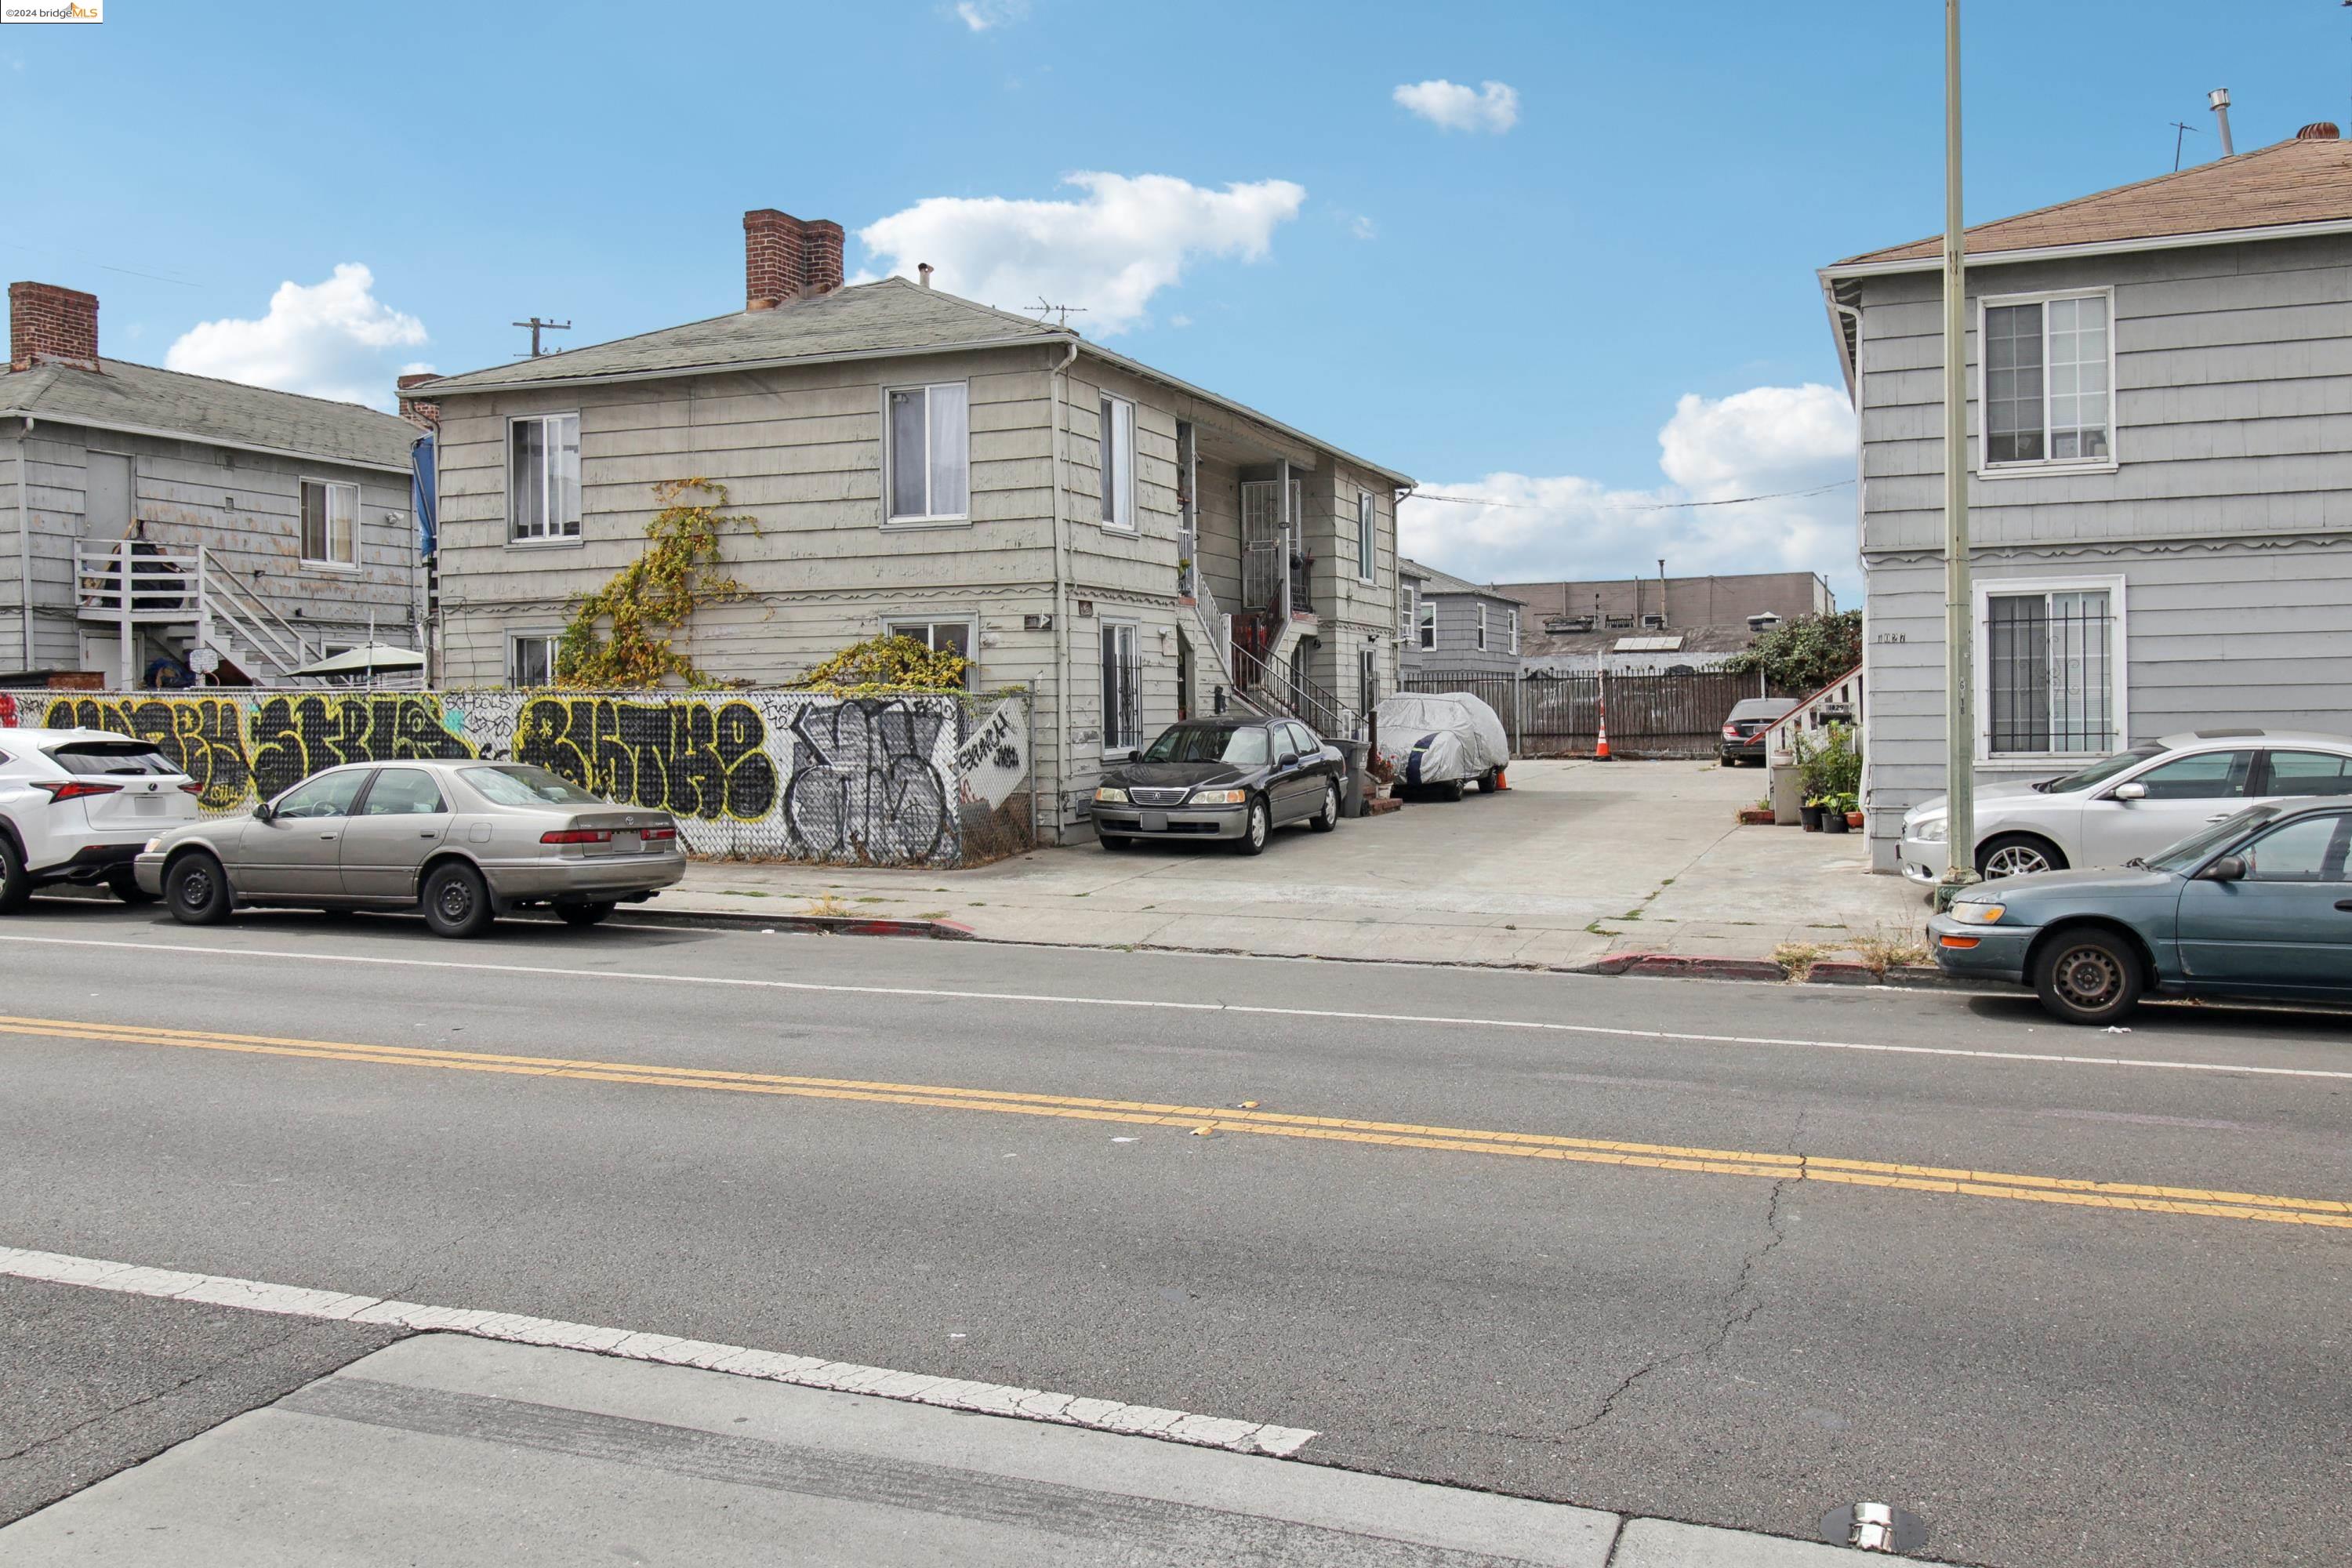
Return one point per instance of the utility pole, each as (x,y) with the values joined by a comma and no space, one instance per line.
(1959,611)
(537,327)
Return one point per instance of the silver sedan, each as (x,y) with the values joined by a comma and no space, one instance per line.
(464,841)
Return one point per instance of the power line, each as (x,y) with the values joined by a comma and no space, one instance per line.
(1647,506)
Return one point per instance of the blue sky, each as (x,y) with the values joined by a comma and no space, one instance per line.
(1593,292)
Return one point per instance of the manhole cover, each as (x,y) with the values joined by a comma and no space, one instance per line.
(1874,1527)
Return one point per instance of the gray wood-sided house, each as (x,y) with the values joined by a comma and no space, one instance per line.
(2160,491)
(1452,627)
(1127,546)
(145,513)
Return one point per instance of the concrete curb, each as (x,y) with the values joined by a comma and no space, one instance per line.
(1682,966)
(832,925)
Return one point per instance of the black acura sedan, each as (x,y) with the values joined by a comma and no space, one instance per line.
(1236,779)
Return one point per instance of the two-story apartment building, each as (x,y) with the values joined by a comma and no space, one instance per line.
(147,514)
(2160,469)
(1124,544)
(1455,627)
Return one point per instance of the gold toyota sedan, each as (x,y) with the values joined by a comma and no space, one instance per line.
(462,842)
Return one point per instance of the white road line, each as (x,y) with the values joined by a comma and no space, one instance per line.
(152,950)
(740,1361)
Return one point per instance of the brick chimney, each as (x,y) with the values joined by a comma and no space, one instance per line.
(416,410)
(48,324)
(786,259)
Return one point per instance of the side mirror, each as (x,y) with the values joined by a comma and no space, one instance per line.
(2131,792)
(262,813)
(1287,760)
(2228,868)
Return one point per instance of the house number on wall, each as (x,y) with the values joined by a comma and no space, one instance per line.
(1890,636)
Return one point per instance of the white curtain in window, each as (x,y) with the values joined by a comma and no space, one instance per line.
(951,453)
(564,474)
(343,523)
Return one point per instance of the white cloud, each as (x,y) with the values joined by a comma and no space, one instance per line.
(331,339)
(1362,227)
(980,15)
(1131,237)
(1764,441)
(1491,106)
(1180,321)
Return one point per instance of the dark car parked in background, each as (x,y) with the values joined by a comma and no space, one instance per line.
(1743,733)
(1236,779)
(2258,906)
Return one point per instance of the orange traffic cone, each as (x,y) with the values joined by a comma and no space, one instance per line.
(1501,783)
(1600,751)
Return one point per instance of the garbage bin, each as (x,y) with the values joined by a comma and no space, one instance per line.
(1351,792)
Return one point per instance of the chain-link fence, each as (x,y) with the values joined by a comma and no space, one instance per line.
(899,779)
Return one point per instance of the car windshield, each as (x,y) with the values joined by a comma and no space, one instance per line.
(133,757)
(2100,772)
(2190,852)
(519,783)
(1209,743)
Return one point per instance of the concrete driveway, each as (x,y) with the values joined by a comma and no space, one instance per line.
(1576,861)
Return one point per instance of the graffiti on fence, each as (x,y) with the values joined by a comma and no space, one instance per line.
(866,786)
(692,757)
(7,708)
(203,736)
(913,780)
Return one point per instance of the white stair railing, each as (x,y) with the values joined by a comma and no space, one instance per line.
(231,601)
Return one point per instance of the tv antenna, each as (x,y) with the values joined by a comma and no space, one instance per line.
(1061,313)
(537,327)
(2181,128)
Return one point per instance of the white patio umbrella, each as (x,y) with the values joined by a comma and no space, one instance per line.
(370,660)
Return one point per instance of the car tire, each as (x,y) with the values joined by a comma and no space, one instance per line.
(582,914)
(15,882)
(457,901)
(2087,976)
(1257,827)
(2017,854)
(1113,841)
(123,882)
(198,891)
(1454,789)
(1328,818)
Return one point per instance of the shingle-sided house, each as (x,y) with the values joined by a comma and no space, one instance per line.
(1126,544)
(2160,494)
(1452,626)
(270,528)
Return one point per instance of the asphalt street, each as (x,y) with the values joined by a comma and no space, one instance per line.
(2070,1297)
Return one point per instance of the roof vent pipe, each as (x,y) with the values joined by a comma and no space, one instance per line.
(924,268)
(2219,99)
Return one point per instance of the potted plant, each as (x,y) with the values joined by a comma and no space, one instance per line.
(1811,813)
(1833,812)
(1852,805)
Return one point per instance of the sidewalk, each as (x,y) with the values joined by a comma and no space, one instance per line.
(443,1450)
(1578,865)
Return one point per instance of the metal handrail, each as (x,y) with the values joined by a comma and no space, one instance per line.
(186,585)
(1296,696)
(278,639)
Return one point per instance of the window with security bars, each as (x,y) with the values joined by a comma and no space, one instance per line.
(2050,672)
(1122,689)
(2046,392)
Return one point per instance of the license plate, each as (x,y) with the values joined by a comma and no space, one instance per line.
(1155,822)
(626,842)
(148,805)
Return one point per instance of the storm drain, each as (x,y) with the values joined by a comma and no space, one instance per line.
(1874,1527)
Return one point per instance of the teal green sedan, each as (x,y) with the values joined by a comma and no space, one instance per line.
(2257,908)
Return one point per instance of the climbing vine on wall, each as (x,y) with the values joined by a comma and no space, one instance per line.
(887,664)
(621,635)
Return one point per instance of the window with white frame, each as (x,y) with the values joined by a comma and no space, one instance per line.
(928,462)
(1511,621)
(1406,611)
(940,636)
(1367,531)
(531,658)
(1429,623)
(1122,689)
(543,477)
(2052,670)
(1117,445)
(1481,628)
(2048,380)
(330,523)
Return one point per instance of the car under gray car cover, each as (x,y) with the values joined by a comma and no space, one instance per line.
(1438,737)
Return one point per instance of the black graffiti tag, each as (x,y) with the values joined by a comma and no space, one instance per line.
(866,788)
(203,736)
(694,759)
(294,737)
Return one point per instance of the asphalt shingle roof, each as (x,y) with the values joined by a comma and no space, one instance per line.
(893,316)
(2293,181)
(1436,582)
(138,396)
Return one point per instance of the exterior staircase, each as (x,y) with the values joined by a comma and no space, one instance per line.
(145,592)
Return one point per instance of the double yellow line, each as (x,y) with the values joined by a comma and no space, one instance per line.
(2131,1196)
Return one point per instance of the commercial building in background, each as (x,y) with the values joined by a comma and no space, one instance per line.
(154,523)
(2160,472)
(1127,545)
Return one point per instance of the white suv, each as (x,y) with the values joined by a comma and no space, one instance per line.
(77,806)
